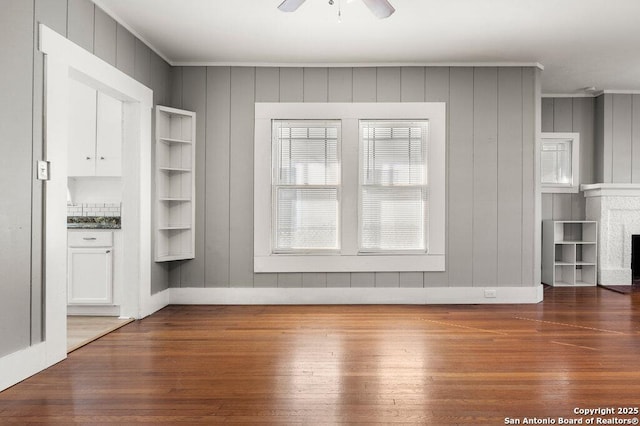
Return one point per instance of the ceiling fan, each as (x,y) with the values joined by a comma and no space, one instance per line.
(381,8)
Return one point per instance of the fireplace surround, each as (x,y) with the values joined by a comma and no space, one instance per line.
(616,207)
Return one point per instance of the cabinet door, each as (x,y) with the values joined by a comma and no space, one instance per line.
(90,276)
(82,130)
(109,136)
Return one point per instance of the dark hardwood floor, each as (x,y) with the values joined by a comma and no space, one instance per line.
(320,365)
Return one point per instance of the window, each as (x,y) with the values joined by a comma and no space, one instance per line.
(349,187)
(306,186)
(559,162)
(393,190)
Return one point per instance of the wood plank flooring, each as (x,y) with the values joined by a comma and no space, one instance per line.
(82,330)
(321,365)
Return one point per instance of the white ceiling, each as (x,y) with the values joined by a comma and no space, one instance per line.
(580,43)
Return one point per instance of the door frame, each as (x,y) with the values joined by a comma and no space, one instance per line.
(64,60)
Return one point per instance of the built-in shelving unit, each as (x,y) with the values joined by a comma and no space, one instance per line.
(175,183)
(569,252)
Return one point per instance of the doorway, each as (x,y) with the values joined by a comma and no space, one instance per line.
(66,62)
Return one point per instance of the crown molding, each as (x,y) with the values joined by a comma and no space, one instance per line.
(591,95)
(101,4)
(619,92)
(570,95)
(119,20)
(356,64)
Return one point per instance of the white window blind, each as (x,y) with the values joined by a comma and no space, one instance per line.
(393,186)
(306,185)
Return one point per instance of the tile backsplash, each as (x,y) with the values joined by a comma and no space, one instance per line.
(94,209)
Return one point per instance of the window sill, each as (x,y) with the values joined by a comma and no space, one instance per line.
(379,263)
(559,189)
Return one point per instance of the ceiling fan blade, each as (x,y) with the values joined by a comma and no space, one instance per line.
(290,5)
(381,8)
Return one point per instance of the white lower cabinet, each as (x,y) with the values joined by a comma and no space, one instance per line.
(90,268)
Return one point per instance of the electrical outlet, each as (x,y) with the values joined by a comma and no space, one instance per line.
(490,293)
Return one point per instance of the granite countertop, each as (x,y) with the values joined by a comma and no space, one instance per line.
(93,222)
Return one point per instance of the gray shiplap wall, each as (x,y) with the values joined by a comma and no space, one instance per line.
(571,115)
(618,138)
(16,184)
(21,109)
(490,178)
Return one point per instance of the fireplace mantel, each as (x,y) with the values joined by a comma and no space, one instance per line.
(616,207)
(611,190)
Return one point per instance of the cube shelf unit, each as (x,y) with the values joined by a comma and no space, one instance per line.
(569,253)
(175,184)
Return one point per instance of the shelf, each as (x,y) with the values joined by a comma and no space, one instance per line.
(175,157)
(574,231)
(569,253)
(563,284)
(174,227)
(169,258)
(577,284)
(174,169)
(173,140)
(179,199)
(175,184)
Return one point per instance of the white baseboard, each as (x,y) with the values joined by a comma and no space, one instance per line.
(157,301)
(24,363)
(93,310)
(377,295)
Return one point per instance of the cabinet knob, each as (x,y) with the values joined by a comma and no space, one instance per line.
(102,158)
(88,158)
(108,251)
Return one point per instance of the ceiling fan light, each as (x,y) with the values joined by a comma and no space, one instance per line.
(381,8)
(290,5)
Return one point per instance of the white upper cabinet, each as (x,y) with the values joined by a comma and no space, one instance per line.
(95,132)
(108,136)
(82,130)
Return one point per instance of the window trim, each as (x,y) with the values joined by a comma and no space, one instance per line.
(349,260)
(558,188)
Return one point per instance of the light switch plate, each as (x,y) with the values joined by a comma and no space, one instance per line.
(43,170)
